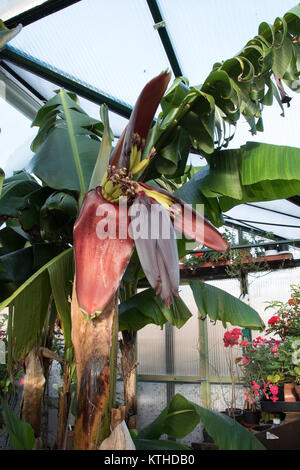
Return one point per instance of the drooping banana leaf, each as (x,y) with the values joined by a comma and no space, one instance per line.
(217,304)
(14,192)
(181,416)
(255,172)
(147,308)
(67,139)
(21,264)
(21,434)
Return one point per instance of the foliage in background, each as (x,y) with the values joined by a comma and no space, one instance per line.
(270,362)
(181,416)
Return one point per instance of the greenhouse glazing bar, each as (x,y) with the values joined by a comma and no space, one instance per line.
(164,36)
(72,85)
(38,12)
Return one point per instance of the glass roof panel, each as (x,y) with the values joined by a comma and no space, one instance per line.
(112,46)
(46,89)
(15,138)
(285,226)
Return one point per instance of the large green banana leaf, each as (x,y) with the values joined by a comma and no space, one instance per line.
(17,266)
(181,416)
(219,305)
(255,172)
(147,308)
(30,302)
(67,144)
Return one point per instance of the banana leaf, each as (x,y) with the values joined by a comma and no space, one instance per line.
(147,308)
(255,172)
(67,138)
(181,416)
(219,305)
(31,299)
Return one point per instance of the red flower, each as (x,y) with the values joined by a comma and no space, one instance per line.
(231,338)
(273,320)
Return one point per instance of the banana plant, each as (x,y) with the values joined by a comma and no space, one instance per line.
(191,116)
(104,235)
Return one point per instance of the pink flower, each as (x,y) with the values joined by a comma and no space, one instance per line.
(244,343)
(255,386)
(274,389)
(274,398)
(246,360)
(21,382)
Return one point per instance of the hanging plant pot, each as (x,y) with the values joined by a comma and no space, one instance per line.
(252,417)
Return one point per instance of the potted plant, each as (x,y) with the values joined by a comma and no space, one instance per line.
(271,365)
(286,324)
(233,338)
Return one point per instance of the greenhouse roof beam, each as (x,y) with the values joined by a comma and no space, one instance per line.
(160,26)
(21,81)
(35,67)
(231,222)
(272,210)
(38,12)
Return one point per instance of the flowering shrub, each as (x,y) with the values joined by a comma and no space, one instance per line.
(262,369)
(286,321)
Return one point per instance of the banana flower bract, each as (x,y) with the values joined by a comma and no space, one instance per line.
(124,211)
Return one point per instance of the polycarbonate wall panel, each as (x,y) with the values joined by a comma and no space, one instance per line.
(151,351)
(182,358)
(217,353)
(152,399)
(112,46)
(15,138)
(186,339)
(220,396)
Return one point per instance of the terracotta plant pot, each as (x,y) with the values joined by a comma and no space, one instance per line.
(289,392)
(297,391)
